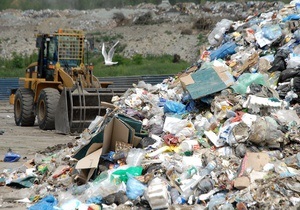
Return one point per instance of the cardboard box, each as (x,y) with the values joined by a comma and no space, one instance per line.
(89,155)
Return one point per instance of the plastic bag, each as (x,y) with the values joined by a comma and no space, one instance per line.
(216,36)
(72,204)
(47,203)
(122,174)
(293,62)
(247,79)
(264,132)
(174,107)
(279,63)
(134,188)
(173,125)
(223,51)
(11,156)
(271,32)
(287,74)
(135,156)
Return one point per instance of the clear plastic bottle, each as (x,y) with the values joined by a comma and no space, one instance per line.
(208,168)
(176,197)
(217,35)
(203,173)
(187,174)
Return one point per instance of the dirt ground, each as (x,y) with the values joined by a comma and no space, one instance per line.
(25,141)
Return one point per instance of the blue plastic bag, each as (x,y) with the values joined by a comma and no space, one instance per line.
(11,157)
(174,107)
(47,203)
(272,32)
(226,49)
(134,188)
(291,17)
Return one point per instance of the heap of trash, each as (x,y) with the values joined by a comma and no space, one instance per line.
(222,134)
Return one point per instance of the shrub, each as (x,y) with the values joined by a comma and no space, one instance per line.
(17,60)
(187,31)
(137,59)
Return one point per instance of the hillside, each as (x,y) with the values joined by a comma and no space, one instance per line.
(145,29)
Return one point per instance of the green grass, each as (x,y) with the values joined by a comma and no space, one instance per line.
(150,65)
(135,66)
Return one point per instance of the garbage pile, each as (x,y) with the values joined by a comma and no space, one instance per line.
(223,134)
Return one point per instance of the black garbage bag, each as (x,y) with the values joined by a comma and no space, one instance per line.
(279,63)
(283,89)
(296,84)
(287,74)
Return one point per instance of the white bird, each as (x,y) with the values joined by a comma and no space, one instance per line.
(108,57)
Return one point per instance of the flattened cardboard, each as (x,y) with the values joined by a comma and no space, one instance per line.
(89,161)
(186,80)
(207,81)
(255,161)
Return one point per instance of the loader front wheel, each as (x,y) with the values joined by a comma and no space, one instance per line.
(46,108)
(23,107)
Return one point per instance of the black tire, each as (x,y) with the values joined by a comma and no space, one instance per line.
(46,108)
(23,107)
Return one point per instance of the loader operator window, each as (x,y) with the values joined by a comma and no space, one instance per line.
(52,54)
(49,58)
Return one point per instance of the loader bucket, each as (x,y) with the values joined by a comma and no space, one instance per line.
(76,110)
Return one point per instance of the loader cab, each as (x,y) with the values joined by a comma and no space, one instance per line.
(65,47)
(47,56)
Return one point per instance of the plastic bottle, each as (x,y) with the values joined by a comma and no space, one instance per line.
(208,168)
(175,196)
(216,200)
(217,35)
(187,174)
(189,145)
(203,173)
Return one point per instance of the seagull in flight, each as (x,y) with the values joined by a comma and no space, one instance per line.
(108,57)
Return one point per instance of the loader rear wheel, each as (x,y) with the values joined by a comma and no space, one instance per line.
(46,108)
(23,107)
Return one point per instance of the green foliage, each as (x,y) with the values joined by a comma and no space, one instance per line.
(15,67)
(137,65)
(121,60)
(201,39)
(150,65)
(168,32)
(17,61)
(137,59)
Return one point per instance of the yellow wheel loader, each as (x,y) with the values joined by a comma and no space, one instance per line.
(60,89)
